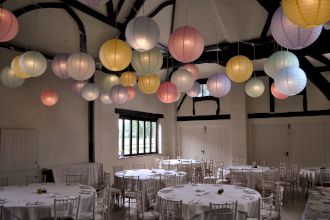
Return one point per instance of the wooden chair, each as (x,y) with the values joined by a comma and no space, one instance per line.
(139,166)
(3,181)
(117,189)
(238,179)
(35,179)
(165,164)
(225,211)
(73,179)
(150,188)
(100,208)
(325,178)
(140,210)
(107,179)
(131,184)
(169,180)
(186,166)
(66,208)
(170,209)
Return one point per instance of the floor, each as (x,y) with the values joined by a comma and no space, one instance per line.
(291,210)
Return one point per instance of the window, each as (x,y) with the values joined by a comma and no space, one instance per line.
(137,136)
(204,91)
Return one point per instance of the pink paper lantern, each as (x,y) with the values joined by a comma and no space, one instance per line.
(49,97)
(8,25)
(131,92)
(276,93)
(193,69)
(186,44)
(167,92)
(77,86)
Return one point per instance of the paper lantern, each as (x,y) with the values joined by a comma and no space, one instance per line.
(186,44)
(291,36)
(59,65)
(307,13)
(193,69)
(239,68)
(277,94)
(77,86)
(128,79)
(115,55)
(279,60)
(178,96)
(149,84)
(131,92)
(33,63)
(195,90)
(290,80)
(80,66)
(119,94)
(17,70)
(8,25)
(147,62)
(109,81)
(90,92)
(94,3)
(49,97)
(183,80)
(142,33)
(254,88)
(105,98)
(9,79)
(218,85)
(167,92)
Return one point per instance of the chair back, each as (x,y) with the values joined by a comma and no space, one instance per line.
(325,178)
(3,181)
(131,183)
(73,179)
(139,166)
(225,211)
(170,209)
(165,164)
(150,190)
(238,178)
(267,206)
(139,205)
(169,180)
(116,169)
(107,179)
(35,179)
(66,208)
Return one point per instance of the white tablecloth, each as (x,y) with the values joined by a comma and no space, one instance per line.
(317,206)
(174,162)
(189,196)
(309,175)
(21,200)
(91,172)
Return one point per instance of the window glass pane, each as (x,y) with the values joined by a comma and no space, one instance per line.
(205,91)
(153,137)
(141,137)
(120,137)
(147,137)
(159,138)
(127,133)
(134,137)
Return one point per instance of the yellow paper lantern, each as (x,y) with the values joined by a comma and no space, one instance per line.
(115,55)
(307,13)
(149,84)
(239,68)
(17,70)
(128,79)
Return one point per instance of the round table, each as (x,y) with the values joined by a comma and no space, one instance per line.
(22,202)
(147,174)
(309,175)
(196,199)
(175,162)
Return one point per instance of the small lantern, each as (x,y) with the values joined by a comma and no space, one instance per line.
(49,97)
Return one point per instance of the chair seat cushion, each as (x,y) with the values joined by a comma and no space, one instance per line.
(265,212)
(150,215)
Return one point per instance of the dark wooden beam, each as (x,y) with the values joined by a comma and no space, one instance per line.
(203,117)
(323,68)
(173,16)
(24,49)
(118,8)
(110,10)
(160,7)
(133,113)
(182,100)
(271,97)
(304,94)
(321,58)
(269,6)
(289,114)
(266,27)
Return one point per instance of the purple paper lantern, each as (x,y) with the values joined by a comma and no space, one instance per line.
(290,35)
(119,94)
(59,65)
(77,86)
(195,90)
(218,85)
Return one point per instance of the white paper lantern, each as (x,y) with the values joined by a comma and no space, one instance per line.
(290,81)
(147,62)
(142,33)
(254,88)
(105,98)
(119,94)
(59,65)
(81,66)
(178,97)
(218,85)
(90,92)
(109,81)
(77,86)
(9,79)
(33,63)
(183,80)
(279,60)
(195,90)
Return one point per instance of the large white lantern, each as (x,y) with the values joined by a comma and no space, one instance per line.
(90,92)
(183,80)
(279,60)
(81,66)
(109,81)
(218,85)
(105,98)
(195,90)
(290,81)
(147,62)
(142,33)
(9,79)
(254,88)
(59,65)
(119,94)
(33,63)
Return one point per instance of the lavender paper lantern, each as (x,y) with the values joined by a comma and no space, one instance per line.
(59,65)
(195,90)
(183,80)
(218,85)
(77,86)
(290,80)
(254,88)
(90,92)
(119,94)
(167,92)
(105,98)
(279,60)
(81,66)
(290,35)
(8,25)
